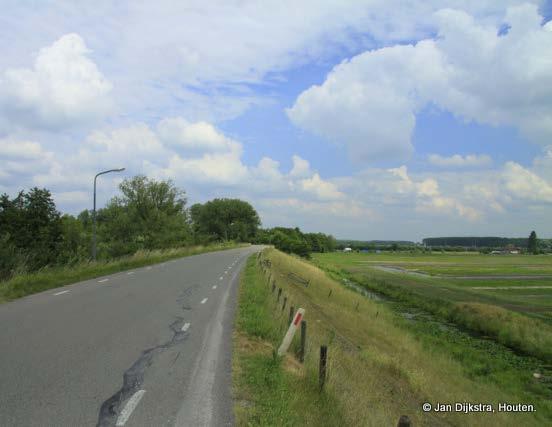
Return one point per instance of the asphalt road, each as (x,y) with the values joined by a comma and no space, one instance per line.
(146,347)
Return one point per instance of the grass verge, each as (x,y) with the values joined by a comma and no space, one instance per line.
(269,390)
(381,366)
(53,277)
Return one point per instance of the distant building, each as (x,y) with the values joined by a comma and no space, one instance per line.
(347,250)
(512,250)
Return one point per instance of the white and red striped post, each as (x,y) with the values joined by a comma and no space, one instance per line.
(291,331)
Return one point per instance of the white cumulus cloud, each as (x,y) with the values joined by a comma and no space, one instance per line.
(63,88)
(459,161)
(525,184)
(429,198)
(11,148)
(199,136)
(369,103)
(323,190)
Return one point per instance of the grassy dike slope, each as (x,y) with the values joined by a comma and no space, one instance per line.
(378,368)
(54,277)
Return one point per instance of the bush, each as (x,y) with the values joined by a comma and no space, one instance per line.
(12,260)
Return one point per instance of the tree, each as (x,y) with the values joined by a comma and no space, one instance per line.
(532,243)
(149,214)
(225,219)
(75,241)
(11,258)
(30,228)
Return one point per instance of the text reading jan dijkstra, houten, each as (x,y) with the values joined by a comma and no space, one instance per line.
(467,407)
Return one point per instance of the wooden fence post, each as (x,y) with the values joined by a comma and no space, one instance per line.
(291,311)
(404,421)
(279,294)
(330,294)
(303,340)
(322,366)
(284,304)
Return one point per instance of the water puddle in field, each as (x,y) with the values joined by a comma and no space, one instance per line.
(391,269)
(363,291)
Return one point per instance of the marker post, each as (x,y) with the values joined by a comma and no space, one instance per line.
(291,331)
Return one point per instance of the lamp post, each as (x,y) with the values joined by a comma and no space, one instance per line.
(94,211)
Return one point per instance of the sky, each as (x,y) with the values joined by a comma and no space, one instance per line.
(374,119)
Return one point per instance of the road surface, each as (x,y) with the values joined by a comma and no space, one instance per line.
(144,347)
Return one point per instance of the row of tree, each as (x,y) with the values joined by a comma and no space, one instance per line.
(373,245)
(147,214)
(293,240)
(531,245)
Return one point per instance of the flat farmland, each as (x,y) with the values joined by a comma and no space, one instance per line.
(458,264)
(498,296)
(522,283)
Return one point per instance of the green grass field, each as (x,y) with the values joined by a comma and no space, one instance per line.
(456,264)
(380,364)
(525,303)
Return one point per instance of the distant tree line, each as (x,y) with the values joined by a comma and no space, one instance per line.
(487,244)
(372,245)
(147,214)
(453,244)
(293,240)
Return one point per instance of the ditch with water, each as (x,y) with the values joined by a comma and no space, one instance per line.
(424,322)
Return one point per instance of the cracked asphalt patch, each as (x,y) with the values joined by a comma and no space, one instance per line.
(133,377)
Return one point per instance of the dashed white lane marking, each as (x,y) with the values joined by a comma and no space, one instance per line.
(204,300)
(129,407)
(61,293)
(130,272)
(220,278)
(214,286)
(185,327)
(103,280)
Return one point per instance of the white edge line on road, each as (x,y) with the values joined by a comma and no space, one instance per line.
(129,407)
(130,272)
(214,286)
(103,280)
(220,278)
(61,293)
(148,268)
(204,300)
(185,327)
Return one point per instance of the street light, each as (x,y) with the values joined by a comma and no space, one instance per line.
(94,211)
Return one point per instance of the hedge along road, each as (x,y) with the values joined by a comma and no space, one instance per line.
(151,346)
